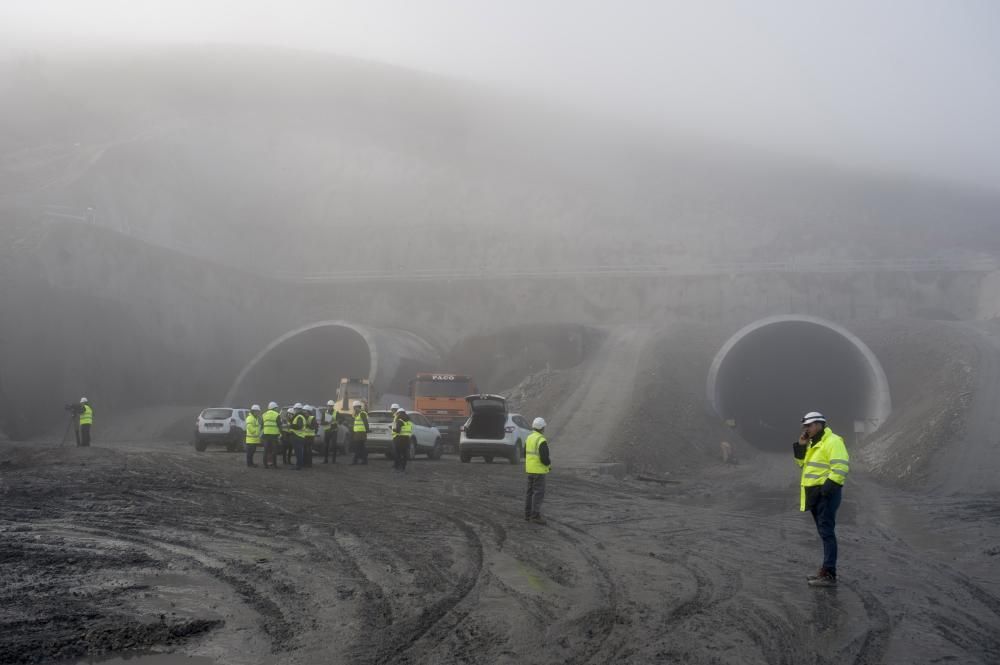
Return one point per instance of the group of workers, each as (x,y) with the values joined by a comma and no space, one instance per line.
(296,429)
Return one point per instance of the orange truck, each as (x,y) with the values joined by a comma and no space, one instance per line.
(440,396)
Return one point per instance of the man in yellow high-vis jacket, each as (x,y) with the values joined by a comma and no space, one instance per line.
(537,465)
(825,464)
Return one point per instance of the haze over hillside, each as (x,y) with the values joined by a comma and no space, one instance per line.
(295,159)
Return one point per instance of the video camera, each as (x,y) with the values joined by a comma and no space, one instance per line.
(74,409)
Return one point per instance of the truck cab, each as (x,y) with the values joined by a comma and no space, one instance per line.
(440,396)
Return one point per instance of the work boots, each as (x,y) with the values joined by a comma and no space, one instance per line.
(825,578)
(538,519)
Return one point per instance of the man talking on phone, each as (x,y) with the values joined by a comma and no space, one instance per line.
(823,458)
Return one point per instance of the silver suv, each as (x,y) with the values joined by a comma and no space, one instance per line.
(491,431)
(222,426)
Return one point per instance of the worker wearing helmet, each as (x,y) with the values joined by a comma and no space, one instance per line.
(330,430)
(271,434)
(86,419)
(537,465)
(825,464)
(300,431)
(309,440)
(254,431)
(402,433)
(287,437)
(359,433)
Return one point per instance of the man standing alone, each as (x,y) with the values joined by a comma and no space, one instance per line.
(86,420)
(537,465)
(825,465)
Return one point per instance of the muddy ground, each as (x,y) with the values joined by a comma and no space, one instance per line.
(155,547)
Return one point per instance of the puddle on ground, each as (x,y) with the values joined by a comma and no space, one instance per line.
(149,659)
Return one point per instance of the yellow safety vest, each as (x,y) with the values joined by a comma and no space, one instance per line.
(405,429)
(532,462)
(359,424)
(331,419)
(253,430)
(827,458)
(271,427)
(87,417)
(299,426)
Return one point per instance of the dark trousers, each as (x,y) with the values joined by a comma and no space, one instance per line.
(359,440)
(270,448)
(286,448)
(401,452)
(330,445)
(824,512)
(307,449)
(535,495)
(84,435)
(299,444)
(251,450)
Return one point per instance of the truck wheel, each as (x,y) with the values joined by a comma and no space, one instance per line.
(515,456)
(489,459)
(466,458)
(436,451)
(200,445)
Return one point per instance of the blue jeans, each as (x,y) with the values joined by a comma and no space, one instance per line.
(824,512)
(298,444)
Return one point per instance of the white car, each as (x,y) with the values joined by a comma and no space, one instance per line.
(221,425)
(426,438)
(491,431)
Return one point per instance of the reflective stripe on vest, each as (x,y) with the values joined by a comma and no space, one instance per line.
(825,459)
(270,419)
(253,430)
(299,426)
(87,417)
(331,419)
(532,462)
(405,429)
(359,424)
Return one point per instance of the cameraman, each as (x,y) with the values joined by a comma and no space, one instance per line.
(86,418)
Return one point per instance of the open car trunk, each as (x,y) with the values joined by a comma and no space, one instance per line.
(488,425)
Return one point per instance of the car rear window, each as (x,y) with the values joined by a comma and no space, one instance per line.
(380,417)
(488,405)
(217,414)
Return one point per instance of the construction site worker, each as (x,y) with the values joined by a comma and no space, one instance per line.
(86,420)
(309,440)
(537,465)
(359,434)
(271,434)
(825,465)
(287,436)
(299,429)
(402,433)
(254,429)
(330,429)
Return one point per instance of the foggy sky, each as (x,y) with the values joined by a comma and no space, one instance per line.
(909,85)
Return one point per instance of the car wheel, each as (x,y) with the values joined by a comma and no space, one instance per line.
(436,451)
(515,456)
(489,459)
(466,458)
(413,449)
(200,446)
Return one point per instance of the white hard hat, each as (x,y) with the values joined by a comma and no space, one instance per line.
(297,405)
(272,405)
(538,423)
(813,417)
(307,406)
(355,403)
(83,400)
(400,410)
(330,402)
(394,406)
(255,407)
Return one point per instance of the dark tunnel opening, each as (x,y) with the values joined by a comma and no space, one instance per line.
(306,367)
(768,376)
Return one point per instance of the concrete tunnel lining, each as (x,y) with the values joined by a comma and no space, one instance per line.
(320,353)
(773,370)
